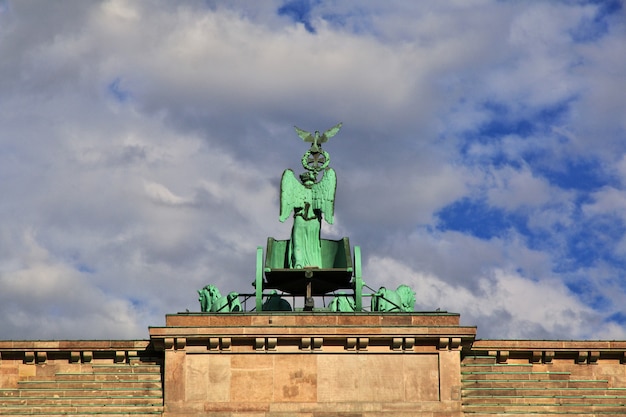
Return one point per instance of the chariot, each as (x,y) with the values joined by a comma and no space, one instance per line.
(340,270)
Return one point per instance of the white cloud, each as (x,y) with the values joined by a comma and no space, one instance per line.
(608,200)
(160,194)
(43,296)
(514,189)
(506,305)
(143,144)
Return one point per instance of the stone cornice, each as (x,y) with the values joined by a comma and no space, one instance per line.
(298,332)
(39,351)
(63,345)
(312,319)
(545,351)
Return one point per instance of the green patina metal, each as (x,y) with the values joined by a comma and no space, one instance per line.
(342,303)
(316,139)
(275,302)
(402,299)
(211,300)
(309,201)
(306,265)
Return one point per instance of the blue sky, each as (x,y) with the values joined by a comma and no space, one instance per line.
(482,158)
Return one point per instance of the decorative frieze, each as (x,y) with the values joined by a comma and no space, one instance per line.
(357,343)
(396,343)
(120,356)
(51,352)
(323,333)
(402,343)
(409,342)
(225,343)
(214,343)
(259,343)
(168,343)
(363,343)
(588,352)
(536,356)
(317,343)
(311,343)
(180,343)
(41,357)
(271,342)
(374,343)
(265,343)
(548,356)
(449,343)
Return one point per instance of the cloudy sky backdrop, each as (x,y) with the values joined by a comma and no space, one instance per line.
(482,158)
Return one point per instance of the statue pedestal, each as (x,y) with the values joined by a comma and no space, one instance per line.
(279,364)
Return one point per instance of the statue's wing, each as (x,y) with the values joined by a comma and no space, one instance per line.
(324,195)
(330,132)
(306,136)
(292,194)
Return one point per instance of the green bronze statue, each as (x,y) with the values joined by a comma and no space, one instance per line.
(310,201)
(342,303)
(305,265)
(275,302)
(315,138)
(402,299)
(212,301)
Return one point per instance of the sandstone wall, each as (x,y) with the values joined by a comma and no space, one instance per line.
(544,377)
(80,378)
(313,365)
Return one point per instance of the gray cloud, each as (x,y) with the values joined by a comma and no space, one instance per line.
(143,142)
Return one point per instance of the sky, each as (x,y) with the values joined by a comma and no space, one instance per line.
(482,158)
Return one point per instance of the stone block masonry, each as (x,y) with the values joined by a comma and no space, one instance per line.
(313,365)
(80,378)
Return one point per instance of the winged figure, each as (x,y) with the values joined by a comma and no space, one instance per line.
(310,201)
(315,138)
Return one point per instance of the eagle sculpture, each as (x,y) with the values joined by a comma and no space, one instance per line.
(315,138)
